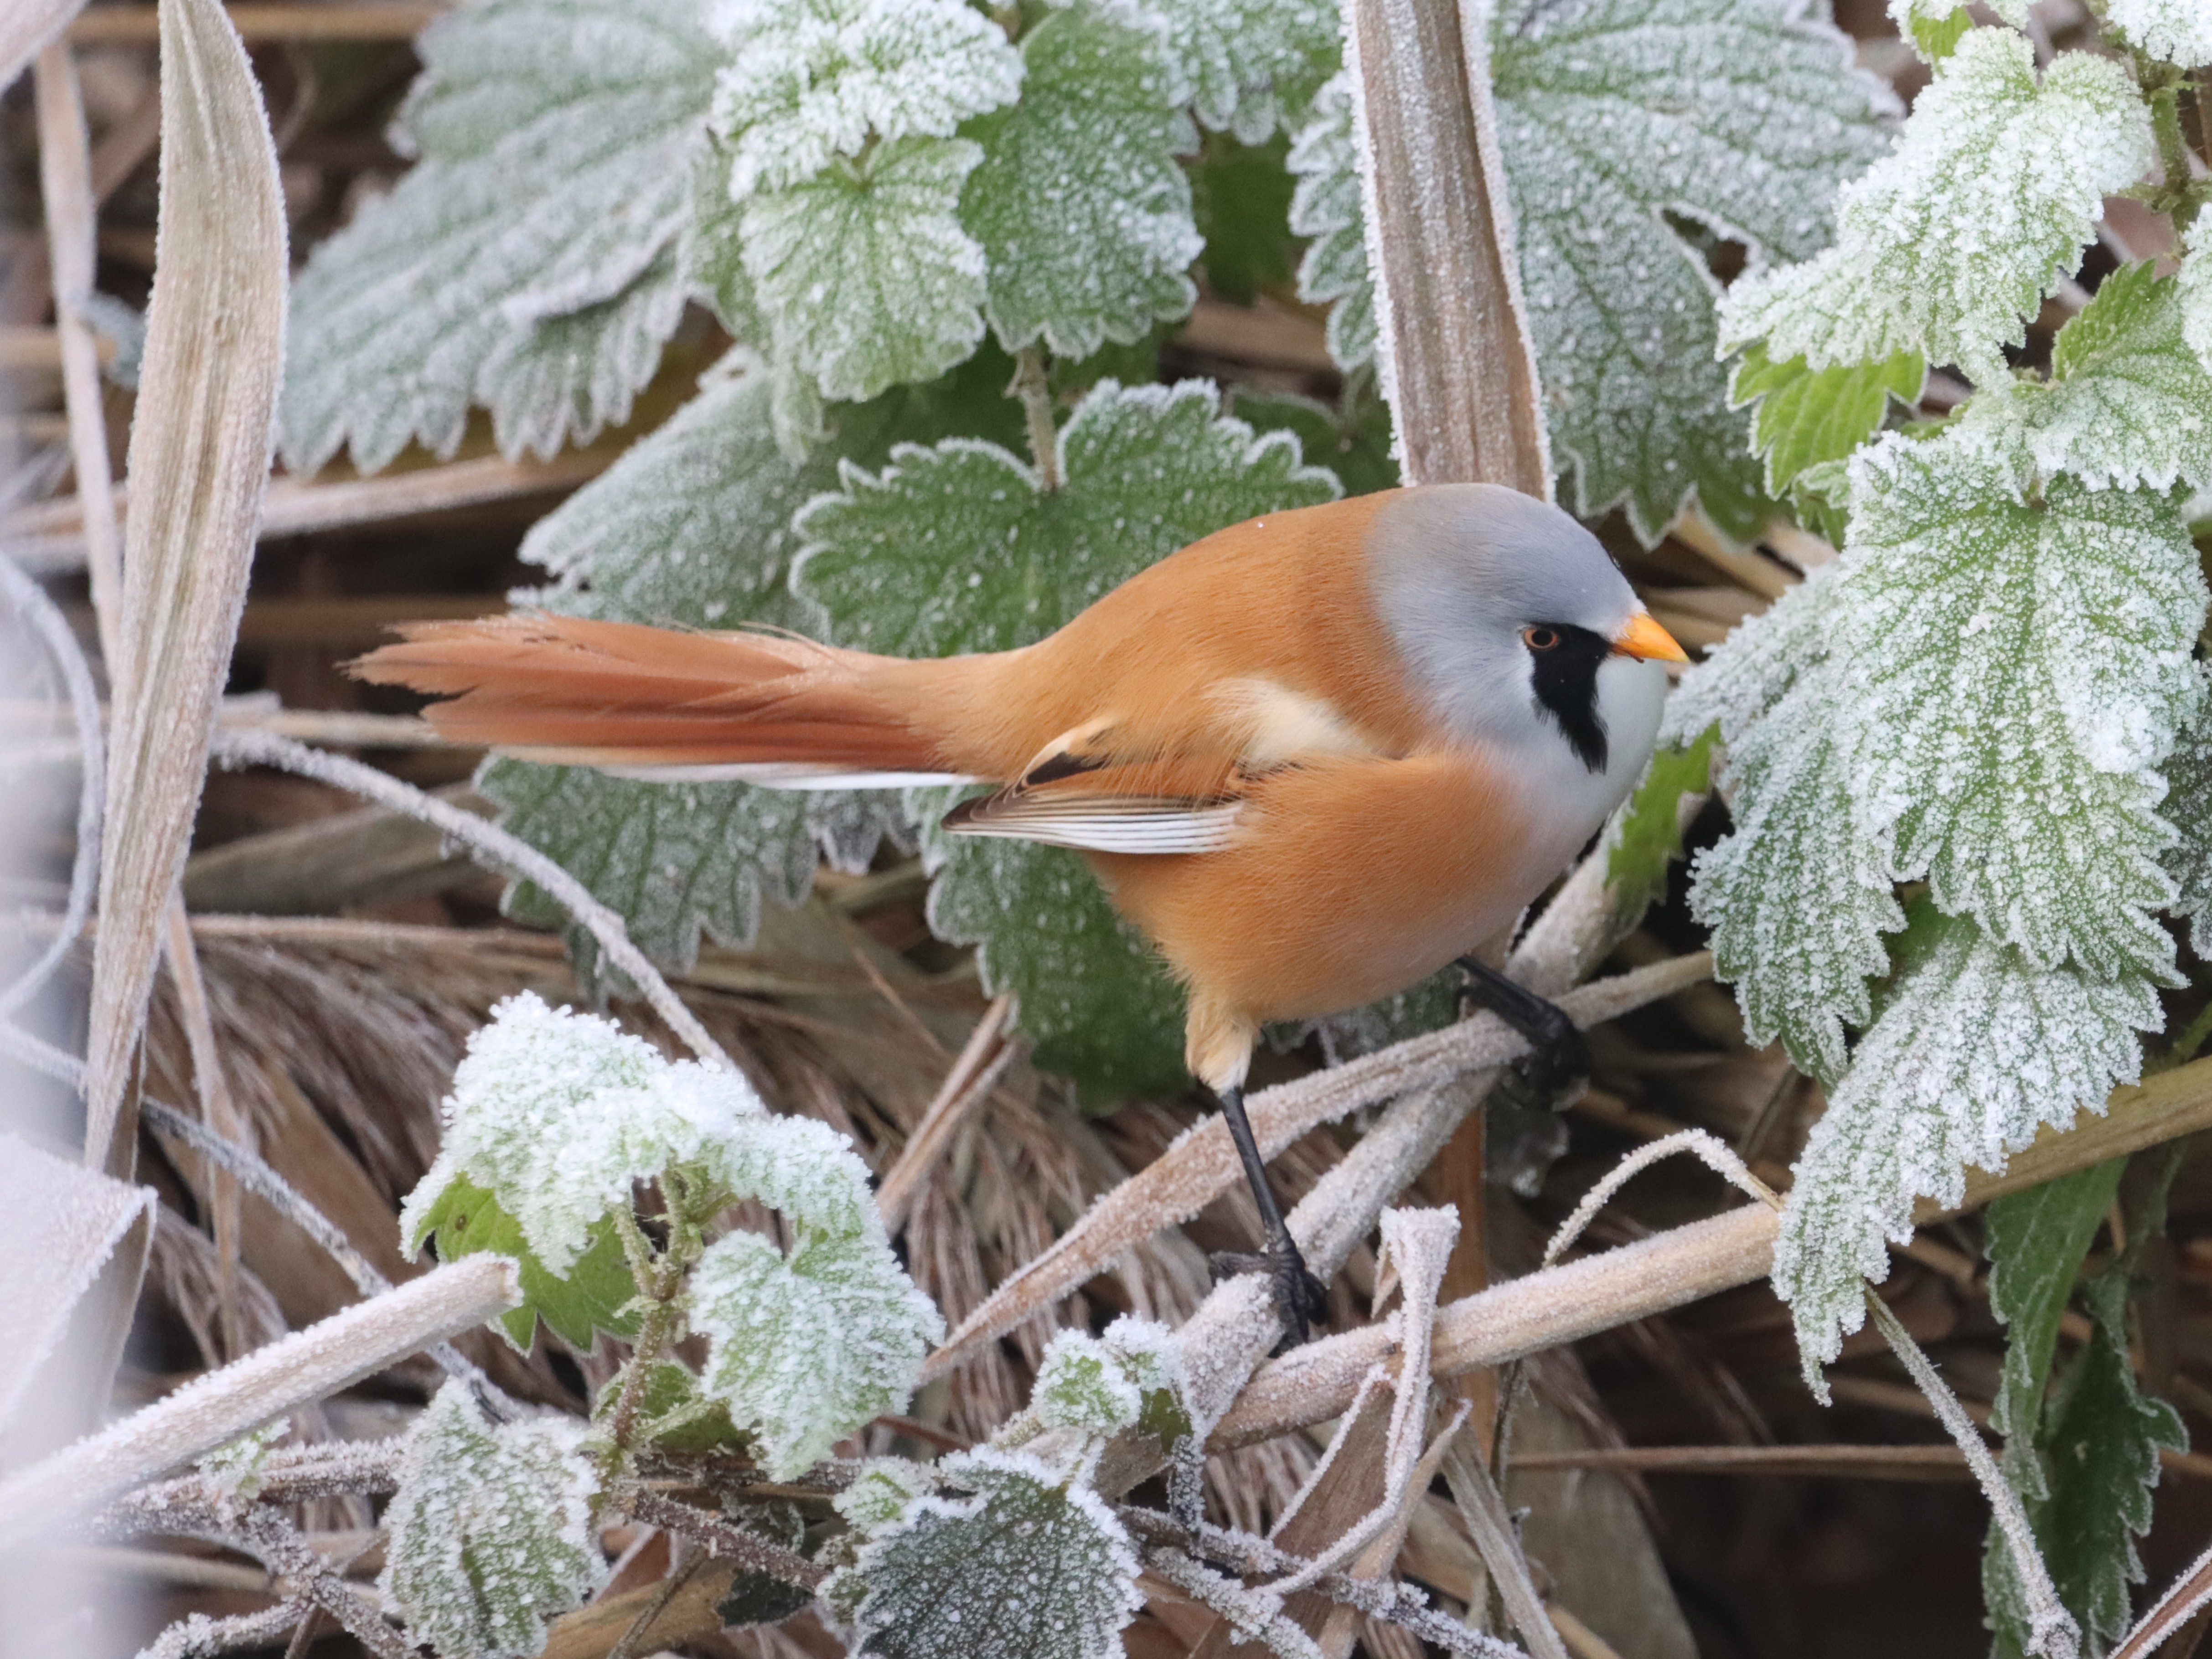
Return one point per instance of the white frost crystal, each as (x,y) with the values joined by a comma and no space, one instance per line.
(2179,31)
(2195,286)
(1326,206)
(1081,1386)
(1245,63)
(1976,1048)
(809,81)
(1033,1563)
(490,1531)
(1947,244)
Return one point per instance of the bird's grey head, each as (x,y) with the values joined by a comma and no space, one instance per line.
(1506,611)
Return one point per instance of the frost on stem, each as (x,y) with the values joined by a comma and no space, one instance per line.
(490,1531)
(1949,244)
(1028,1562)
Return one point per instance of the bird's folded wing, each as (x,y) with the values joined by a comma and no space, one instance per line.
(1105,806)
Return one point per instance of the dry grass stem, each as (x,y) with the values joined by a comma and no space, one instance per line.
(1482,1506)
(974,1074)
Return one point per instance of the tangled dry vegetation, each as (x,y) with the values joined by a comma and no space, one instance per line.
(1683,1494)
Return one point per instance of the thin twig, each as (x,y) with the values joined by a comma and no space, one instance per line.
(750,1551)
(691,1557)
(199,1637)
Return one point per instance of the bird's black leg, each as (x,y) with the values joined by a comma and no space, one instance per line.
(1299,1294)
(1556,1068)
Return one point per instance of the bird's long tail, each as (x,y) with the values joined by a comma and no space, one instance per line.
(662,703)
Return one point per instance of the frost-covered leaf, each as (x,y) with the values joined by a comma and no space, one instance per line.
(2035,1242)
(2195,280)
(1798,905)
(2179,31)
(1651,836)
(672,1413)
(1976,1047)
(463,1218)
(1742,115)
(490,1531)
(1351,441)
(2101,1454)
(1030,1564)
(1080,1385)
(1936,26)
(692,527)
(2017,671)
(1081,210)
(2188,807)
(2127,403)
(557,1113)
(809,81)
(879,1491)
(524,263)
(956,549)
(1248,65)
(863,272)
(804,1348)
(1947,244)
(1326,207)
(1808,416)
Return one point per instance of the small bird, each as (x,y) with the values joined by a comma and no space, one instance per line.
(1315,758)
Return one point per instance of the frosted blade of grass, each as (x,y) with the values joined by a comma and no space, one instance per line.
(26,28)
(199,462)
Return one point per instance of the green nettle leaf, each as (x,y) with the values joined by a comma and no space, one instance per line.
(1353,442)
(2188,807)
(692,526)
(1947,245)
(808,82)
(1651,836)
(2179,31)
(2128,404)
(2018,670)
(1808,416)
(490,1531)
(2100,1450)
(863,272)
(803,1349)
(957,549)
(1241,204)
(2035,1242)
(1030,1564)
(1326,207)
(1249,65)
(2195,281)
(1081,210)
(526,262)
(593,1295)
(1797,905)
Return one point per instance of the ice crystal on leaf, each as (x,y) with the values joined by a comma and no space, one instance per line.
(2179,31)
(1976,1047)
(1797,904)
(809,81)
(1326,208)
(2018,670)
(863,272)
(957,549)
(1950,242)
(1031,1562)
(1081,1386)
(2188,807)
(1934,27)
(879,1491)
(2195,286)
(1248,65)
(2127,403)
(490,1531)
(1082,211)
(526,262)
(804,1348)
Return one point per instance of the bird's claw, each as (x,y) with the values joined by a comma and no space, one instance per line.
(1300,1298)
(1551,1076)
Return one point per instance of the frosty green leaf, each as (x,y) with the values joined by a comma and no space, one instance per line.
(1807,417)
(524,263)
(1081,1386)
(804,1348)
(2179,31)
(2189,808)
(2035,1242)
(810,81)
(1934,27)
(593,1295)
(2018,670)
(1949,243)
(1651,837)
(490,1531)
(2195,281)
(1248,65)
(1975,1049)
(1030,1563)
(1081,212)
(879,1491)
(2128,404)
(1326,208)
(1798,906)
(863,272)
(957,549)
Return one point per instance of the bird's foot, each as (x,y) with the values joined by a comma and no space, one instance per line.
(1553,1075)
(1300,1298)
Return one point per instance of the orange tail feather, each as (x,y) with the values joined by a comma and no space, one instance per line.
(579,692)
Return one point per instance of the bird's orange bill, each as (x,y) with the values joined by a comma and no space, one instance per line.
(1646,642)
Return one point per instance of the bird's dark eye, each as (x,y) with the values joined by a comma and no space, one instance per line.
(1539,638)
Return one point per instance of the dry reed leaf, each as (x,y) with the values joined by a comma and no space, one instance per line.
(198,463)
(27,28)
